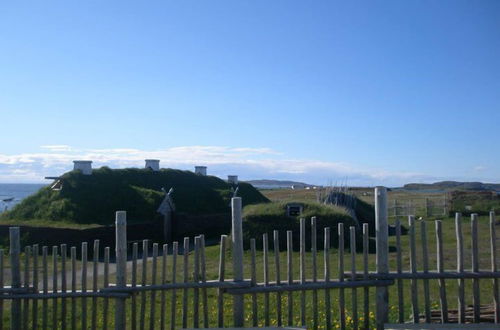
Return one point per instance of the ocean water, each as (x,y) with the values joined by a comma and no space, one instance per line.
(16,192)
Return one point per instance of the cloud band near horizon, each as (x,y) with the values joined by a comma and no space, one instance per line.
(248,163)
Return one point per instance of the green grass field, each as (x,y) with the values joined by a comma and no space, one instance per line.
(212,257)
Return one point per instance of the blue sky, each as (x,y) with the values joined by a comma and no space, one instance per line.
(372,92)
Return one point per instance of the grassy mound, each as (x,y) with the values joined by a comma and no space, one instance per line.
(94,198)
(265,218)
(366,214)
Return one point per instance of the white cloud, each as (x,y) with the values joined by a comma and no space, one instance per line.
(248,163)
(57,147)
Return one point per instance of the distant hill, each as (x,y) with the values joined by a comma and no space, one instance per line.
(95,198)
(453,185)
(276,184)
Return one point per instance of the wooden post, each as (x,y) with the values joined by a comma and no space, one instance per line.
(382,249)
(94,282)
(142,311)
(73,283)
(173,302)
(185,278)
(54,287)
(427,209)
(35,286)
(253,266)
(326,261)
(366,292)
(460,267)
(45,286)
(237,238)
(475,268)
(314,250)
(340,255)
(493,245)
(1,286)
(413,266)
(167,227)
(105,311)
(15,271)
(277,274)
(289,261)
(203,269)
(445,204)
(354,294)
(440,269)
(425,264)
(302,271)
(152,305)
(121,267)
(133,307)
(196,291)
(399,263)
(222,270)
(265,261)
(64,253)
(163,302)
(83,281)
(26,304)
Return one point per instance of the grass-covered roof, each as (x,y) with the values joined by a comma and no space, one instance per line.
(95,198)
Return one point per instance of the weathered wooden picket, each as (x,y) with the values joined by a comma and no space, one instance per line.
(164,300)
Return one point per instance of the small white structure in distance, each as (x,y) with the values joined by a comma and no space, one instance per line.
(153,164)
(233,179)
(83,165)
(201,170)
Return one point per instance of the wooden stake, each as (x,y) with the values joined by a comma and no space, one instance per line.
(220,292)
(326,262)
(314,250)
(173,303)
(460,267)
(425,263)
(237,238)
(475,268)
(382,254)
(341,274)
(121,267)
(278,275)
(413,266)
(399,265)
(493,245)
(440,269)
(185,280)
(265,259)
(253,269)
(15,273)
(354,294)
(289,258)
(152,304)
(303,270)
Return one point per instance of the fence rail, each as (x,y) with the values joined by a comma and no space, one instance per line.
(167,287)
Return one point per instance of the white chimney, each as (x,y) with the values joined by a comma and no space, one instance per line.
(201,170)
(83,165)
(233,179)
(153,164)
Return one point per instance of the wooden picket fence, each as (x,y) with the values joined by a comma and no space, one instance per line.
(162,299)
